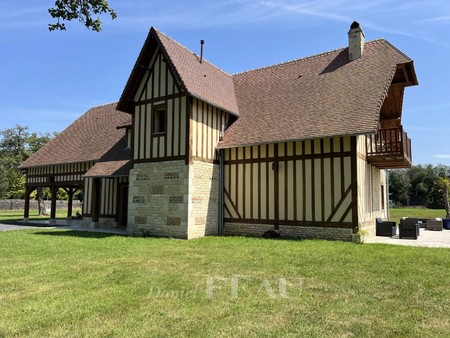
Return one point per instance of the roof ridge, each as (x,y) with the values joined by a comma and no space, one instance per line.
(304,58)
(396,49)
(190,51)
(102,105)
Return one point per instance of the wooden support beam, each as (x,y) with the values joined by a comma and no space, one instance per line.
(95,211)
(26,212)
(54,190)
(70,192)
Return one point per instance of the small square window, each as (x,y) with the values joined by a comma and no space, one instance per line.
(159,119)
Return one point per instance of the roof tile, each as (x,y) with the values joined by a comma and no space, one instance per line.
(87,139)
(319,96)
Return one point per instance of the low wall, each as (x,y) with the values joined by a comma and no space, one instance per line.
(20,205)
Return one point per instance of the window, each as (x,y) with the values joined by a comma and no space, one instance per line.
(128,133)
(159,119)
(382,197)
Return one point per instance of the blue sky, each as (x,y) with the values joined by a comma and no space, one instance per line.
(47,79)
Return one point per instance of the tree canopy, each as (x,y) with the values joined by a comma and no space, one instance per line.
(81,10)
(419,185)
(16,145)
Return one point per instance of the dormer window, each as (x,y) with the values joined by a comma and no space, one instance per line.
(159,119)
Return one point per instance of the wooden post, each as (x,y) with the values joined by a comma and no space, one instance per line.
(95,212)
(26,212)
(70,192)
(54,190)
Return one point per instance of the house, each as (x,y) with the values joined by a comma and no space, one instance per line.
(299,147)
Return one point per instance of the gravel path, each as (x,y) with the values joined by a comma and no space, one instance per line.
(9,227)
(75,226)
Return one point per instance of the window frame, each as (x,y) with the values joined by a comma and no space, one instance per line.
(155,110)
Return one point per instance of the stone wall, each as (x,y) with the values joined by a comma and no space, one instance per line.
(204,198)
(369,227)
(244,229)
(343,234)
(159,199)
(376,190)
(103,222)
(16,204)
(289,231)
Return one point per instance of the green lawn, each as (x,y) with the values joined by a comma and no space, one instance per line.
(397,213)
(17,215)
(63,283)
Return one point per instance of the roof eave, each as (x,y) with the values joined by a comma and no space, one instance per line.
(366,132)
(126,102)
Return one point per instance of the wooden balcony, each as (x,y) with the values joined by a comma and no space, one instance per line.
(389,148)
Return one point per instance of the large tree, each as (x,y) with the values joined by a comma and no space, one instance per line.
(419,185)
(16,145)
(3,181)
(81,10)
(399,186)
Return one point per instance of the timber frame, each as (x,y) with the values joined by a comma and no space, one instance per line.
(243,154)
(280,177)
(65,176)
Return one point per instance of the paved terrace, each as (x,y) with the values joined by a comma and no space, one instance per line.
(428,238)
(75,225)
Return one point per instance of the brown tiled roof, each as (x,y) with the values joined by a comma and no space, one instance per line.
(319,96)
(109,169)
(201,80)
(115,162)
(89,138)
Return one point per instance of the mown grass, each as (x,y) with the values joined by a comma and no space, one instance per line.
(17,215)
(56,283)
(397,213)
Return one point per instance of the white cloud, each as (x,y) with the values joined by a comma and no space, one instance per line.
(442,156)
(211,14)
(12,17)
(437,19)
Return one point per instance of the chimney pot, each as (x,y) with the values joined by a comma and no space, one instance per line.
(355,41)
(202,42)
(354,25)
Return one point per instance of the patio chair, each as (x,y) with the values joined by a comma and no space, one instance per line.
(424,222)
(409,228)
(434,225)
(385,228)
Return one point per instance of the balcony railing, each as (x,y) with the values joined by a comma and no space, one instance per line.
(389,148)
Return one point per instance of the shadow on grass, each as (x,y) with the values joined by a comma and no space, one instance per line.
(30,224)
(83,234)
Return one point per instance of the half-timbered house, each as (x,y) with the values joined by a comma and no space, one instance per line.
(92,156)
(299,147)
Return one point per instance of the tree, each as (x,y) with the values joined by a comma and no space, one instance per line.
(419,185)
(3,181)
(16,145)
(435,198)
(445,183)
(81,10)
(399,186)
(35,142)
(422,178)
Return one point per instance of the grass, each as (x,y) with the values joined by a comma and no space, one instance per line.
(57,283)
(397,213)
(17,215)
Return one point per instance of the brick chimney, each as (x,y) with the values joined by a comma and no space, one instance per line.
(355,41)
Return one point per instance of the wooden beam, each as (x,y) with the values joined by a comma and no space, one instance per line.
(70,192)
(26,212)
(54,191)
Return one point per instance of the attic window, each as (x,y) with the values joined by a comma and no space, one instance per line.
(159,119)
